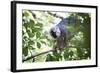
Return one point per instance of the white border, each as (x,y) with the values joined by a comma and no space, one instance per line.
(21,65)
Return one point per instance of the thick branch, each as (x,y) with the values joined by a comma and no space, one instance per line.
(28,58)
(37,55)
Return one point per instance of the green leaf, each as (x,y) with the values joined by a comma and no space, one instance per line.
(80,53)
(35,30)
(30,34)
(66,54)
(57,55)
(50,58)
(39,24)
(25,51)
(43,42)
(38,34)
(31,42)
(38,45)
(31,48)
(26,14)
(71,53)
(31,24)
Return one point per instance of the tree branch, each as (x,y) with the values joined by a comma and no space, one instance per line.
(55,15)
(37,55)
(28,58)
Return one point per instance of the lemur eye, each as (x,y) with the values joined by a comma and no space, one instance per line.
(53,33)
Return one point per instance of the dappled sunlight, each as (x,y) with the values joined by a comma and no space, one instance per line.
(39,46)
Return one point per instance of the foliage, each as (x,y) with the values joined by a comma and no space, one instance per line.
(36,40)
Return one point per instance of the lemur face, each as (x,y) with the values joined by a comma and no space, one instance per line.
(55,32)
